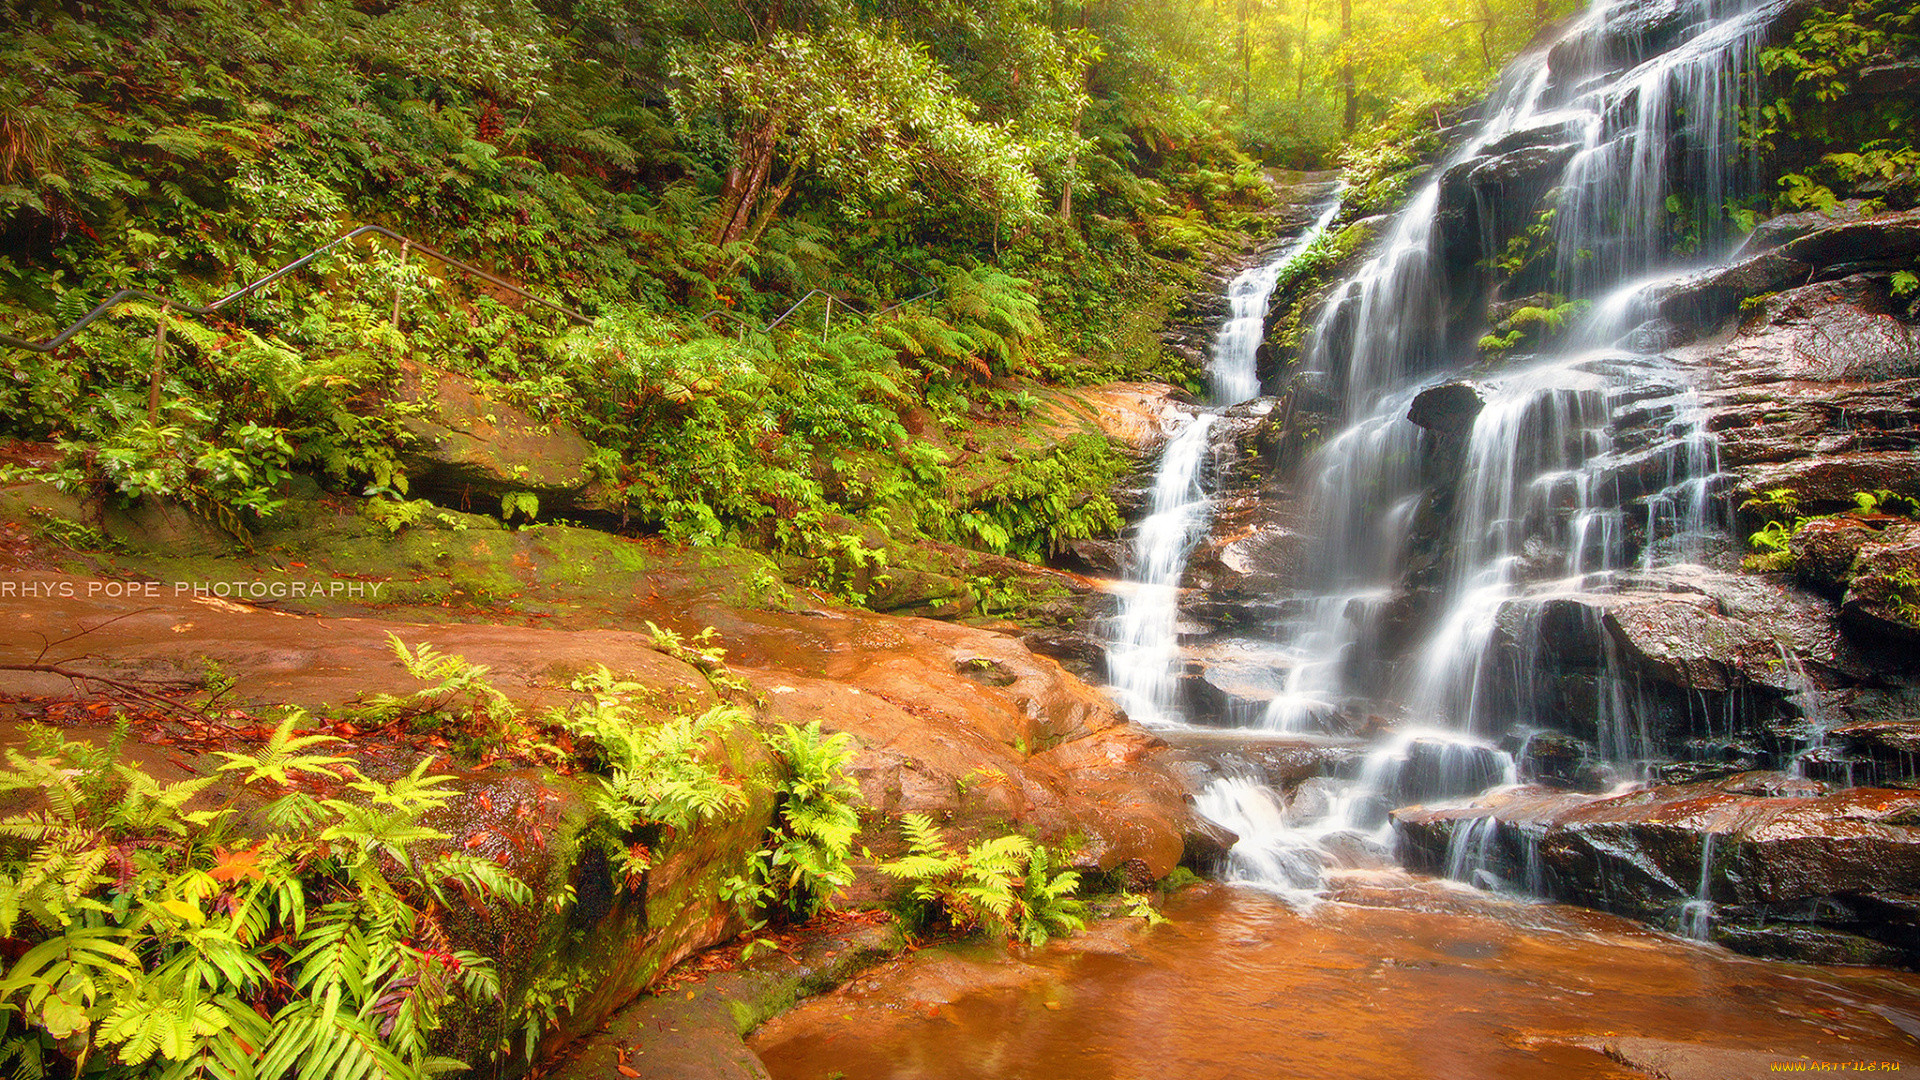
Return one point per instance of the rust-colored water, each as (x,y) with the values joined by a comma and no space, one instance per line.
(1421,981)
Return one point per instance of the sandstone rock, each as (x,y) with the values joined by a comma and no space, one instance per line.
(1828,482)
(1883,597)
(1824,549)
(1810,860)
(470,449)
(1684,641)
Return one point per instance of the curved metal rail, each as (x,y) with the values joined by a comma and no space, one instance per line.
(407,244)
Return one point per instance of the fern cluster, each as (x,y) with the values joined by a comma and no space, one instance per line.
(651,782)
(1006,885)
(805,860)
(459,698)
(164,939)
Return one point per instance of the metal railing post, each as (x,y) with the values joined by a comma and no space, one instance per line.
(399,278)
(153,377)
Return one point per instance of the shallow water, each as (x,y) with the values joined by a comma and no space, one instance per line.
(1398,979)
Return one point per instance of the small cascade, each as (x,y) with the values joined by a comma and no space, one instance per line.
(1817,758)
(1270,853)
(1696,915)
(1143,653)
(1233,372)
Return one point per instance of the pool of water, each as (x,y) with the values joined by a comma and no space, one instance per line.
(1394,977)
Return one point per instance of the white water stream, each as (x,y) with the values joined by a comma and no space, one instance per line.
(1143,654)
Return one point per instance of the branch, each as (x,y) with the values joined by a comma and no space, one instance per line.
(83,679)
(47,646)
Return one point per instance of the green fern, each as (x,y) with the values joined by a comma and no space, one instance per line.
(1005,885)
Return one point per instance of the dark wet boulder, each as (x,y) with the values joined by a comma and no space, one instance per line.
(1096,555)
(1554,130)
(1250,563)
(1224,691)
(1562,761)
(1882,236)
(1829,868)
(1781,228)
(1529,169)
(1718,293)
(1447,409)
(1437,769)
(1888,748)
(1491,197)
(1892,77)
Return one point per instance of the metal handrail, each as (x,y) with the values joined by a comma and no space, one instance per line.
(811,293)
(408,243)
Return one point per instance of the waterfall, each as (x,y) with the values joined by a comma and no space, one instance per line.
(1537,504)
(1143,655)
(1440,543)
(1696,915)
(1232,373)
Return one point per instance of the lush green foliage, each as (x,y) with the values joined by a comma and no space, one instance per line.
(1830,131)
(1772,541)
(805,860)
(1006,885)
(303,927)
(1034,180)
(169,939)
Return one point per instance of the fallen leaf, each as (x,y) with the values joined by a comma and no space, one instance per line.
(627,1070)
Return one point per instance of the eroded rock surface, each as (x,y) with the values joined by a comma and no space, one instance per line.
(1788,868)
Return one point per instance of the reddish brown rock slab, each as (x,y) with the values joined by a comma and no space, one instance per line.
(1669,1060)
(964,724)
(156,631)
(1838,865)
(1137,414)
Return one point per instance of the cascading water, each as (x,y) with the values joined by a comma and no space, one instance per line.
(1233,373)
(1696,916)
(1142,656)
(1143,653)
(1446,530)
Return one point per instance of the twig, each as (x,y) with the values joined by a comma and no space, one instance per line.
(82,679)
(47,646)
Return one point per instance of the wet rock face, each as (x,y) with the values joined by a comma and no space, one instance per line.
(1816,391)
(1447,409)
(1883,595)
(1789,871)
(467,447)
(1823,551)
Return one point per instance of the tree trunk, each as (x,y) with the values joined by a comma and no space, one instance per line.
(1300,75)
(1346,66)
(1246,61)
(752,164)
